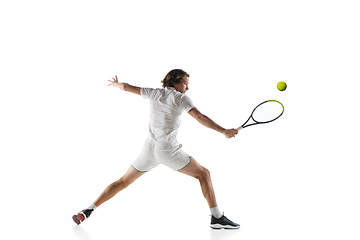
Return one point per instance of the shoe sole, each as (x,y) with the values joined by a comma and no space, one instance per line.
(219,226)
(77,218)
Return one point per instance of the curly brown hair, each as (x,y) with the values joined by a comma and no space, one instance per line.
(175,76)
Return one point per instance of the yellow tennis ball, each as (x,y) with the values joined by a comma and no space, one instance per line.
(281,86)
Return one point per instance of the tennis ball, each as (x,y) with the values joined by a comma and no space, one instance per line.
(281,86)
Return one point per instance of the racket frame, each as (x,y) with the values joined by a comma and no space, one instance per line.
(256,122)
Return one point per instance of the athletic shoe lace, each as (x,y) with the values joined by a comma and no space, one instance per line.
(228,219)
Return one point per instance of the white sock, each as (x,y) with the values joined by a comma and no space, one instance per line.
(215,212)
(93,207)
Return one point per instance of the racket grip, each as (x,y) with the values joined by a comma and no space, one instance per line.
(239,128)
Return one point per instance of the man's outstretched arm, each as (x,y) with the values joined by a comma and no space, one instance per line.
(207,122)
(124,86)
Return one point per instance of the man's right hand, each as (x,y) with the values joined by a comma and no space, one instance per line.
(229,133)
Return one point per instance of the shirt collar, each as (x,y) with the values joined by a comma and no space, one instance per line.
(172,88)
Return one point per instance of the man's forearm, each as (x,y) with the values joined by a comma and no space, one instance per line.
(207,122)
(129,88)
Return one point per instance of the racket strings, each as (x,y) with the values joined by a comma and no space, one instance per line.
(267,112)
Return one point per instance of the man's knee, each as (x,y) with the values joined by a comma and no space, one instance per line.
(204,174)
(121,182)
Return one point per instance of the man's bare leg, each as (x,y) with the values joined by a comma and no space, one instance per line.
(129,177)
(194,169)
(218,220)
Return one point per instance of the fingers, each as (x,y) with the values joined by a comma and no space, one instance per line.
(233,132)
(230,133)
(114,80)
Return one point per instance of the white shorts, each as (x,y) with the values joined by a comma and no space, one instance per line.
(154,153)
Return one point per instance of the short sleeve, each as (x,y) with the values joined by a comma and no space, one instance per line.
(147,93)
(186,103)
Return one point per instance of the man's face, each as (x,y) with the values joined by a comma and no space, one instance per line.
(183,86)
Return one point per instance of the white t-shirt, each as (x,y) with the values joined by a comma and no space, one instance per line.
(166,107)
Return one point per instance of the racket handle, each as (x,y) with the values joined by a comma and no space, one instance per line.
(239,128)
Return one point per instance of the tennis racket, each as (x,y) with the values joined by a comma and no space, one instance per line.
(265,112)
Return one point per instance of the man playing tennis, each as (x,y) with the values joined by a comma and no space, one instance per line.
(167,105)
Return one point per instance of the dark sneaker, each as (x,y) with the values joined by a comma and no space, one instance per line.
(223,222)
(81,216)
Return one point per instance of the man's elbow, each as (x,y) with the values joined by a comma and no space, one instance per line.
(126,87)
(200,117)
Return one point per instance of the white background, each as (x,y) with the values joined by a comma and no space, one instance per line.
(65,135)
